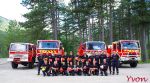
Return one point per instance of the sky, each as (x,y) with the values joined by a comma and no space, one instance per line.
(13,10)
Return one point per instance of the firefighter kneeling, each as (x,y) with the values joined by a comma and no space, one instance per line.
(55,68)
(86,69)
(104,67)
(45,67)
(69,65)
(70,69)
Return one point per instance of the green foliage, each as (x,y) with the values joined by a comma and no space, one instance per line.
(14,33)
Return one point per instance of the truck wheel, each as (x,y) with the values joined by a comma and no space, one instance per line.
(134,64)
(14,65)
(30,65)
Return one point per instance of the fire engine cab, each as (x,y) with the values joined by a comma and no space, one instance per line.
(129,51)
(49,47)
(91,47)
(22,53)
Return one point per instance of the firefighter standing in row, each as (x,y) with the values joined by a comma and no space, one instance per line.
(70,59)
(109,59)
(102,57)
(40,59)
(115,62)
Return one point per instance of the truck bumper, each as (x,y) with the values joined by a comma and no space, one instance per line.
(17,60)
(128,60)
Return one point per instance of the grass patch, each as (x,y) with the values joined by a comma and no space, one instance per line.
(147,61)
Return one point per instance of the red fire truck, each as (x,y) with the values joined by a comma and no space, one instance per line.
(91,47)
(129,51)
(22,53)
(48,47)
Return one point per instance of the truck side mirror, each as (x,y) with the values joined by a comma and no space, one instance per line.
(7,48)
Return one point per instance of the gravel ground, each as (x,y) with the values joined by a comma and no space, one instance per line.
(140,74)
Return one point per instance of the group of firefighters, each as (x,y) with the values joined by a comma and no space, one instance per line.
(95,64)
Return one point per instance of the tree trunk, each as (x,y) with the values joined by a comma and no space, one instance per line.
(144,43)
(110,23)
(54,19)
(89,29)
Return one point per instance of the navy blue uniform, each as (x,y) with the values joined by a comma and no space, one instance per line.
(109,58)
(96,69)
(40,59)
(51,60)
(115,63)
(64,59)
(84,59)
(104,69)
(102,57)
(97,59)
(55,68)
(63,68)
(58,58)
(45,69)
(86,69)
(78,69)
(70,59)
(90,59)
(71,70)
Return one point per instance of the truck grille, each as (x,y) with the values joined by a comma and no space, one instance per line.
(17,56)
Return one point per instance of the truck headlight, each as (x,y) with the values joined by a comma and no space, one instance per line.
(11,56)
(25,56)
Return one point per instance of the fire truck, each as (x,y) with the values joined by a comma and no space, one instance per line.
(129,51)
(22,53)
(49,47)
(91,47)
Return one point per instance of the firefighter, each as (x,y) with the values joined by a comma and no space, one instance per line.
(78,69)
(40,62)
(102,57)
(50,65)
(84,58)
(70,58)
(70,69)
(51,59)
(90,59)
(95,68)
(97,59)
(45,67)
(55,68)
(58,58)
(104,67)
(115,62)
(64,58)
(109,58)
(63,68)
(78,60)
(86,69)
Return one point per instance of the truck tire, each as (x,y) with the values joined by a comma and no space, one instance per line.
(14,65)
(31,64)
(133,65)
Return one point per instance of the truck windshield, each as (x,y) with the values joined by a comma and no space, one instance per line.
(95,46)
(48,45)
(130,45)
(18,47)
